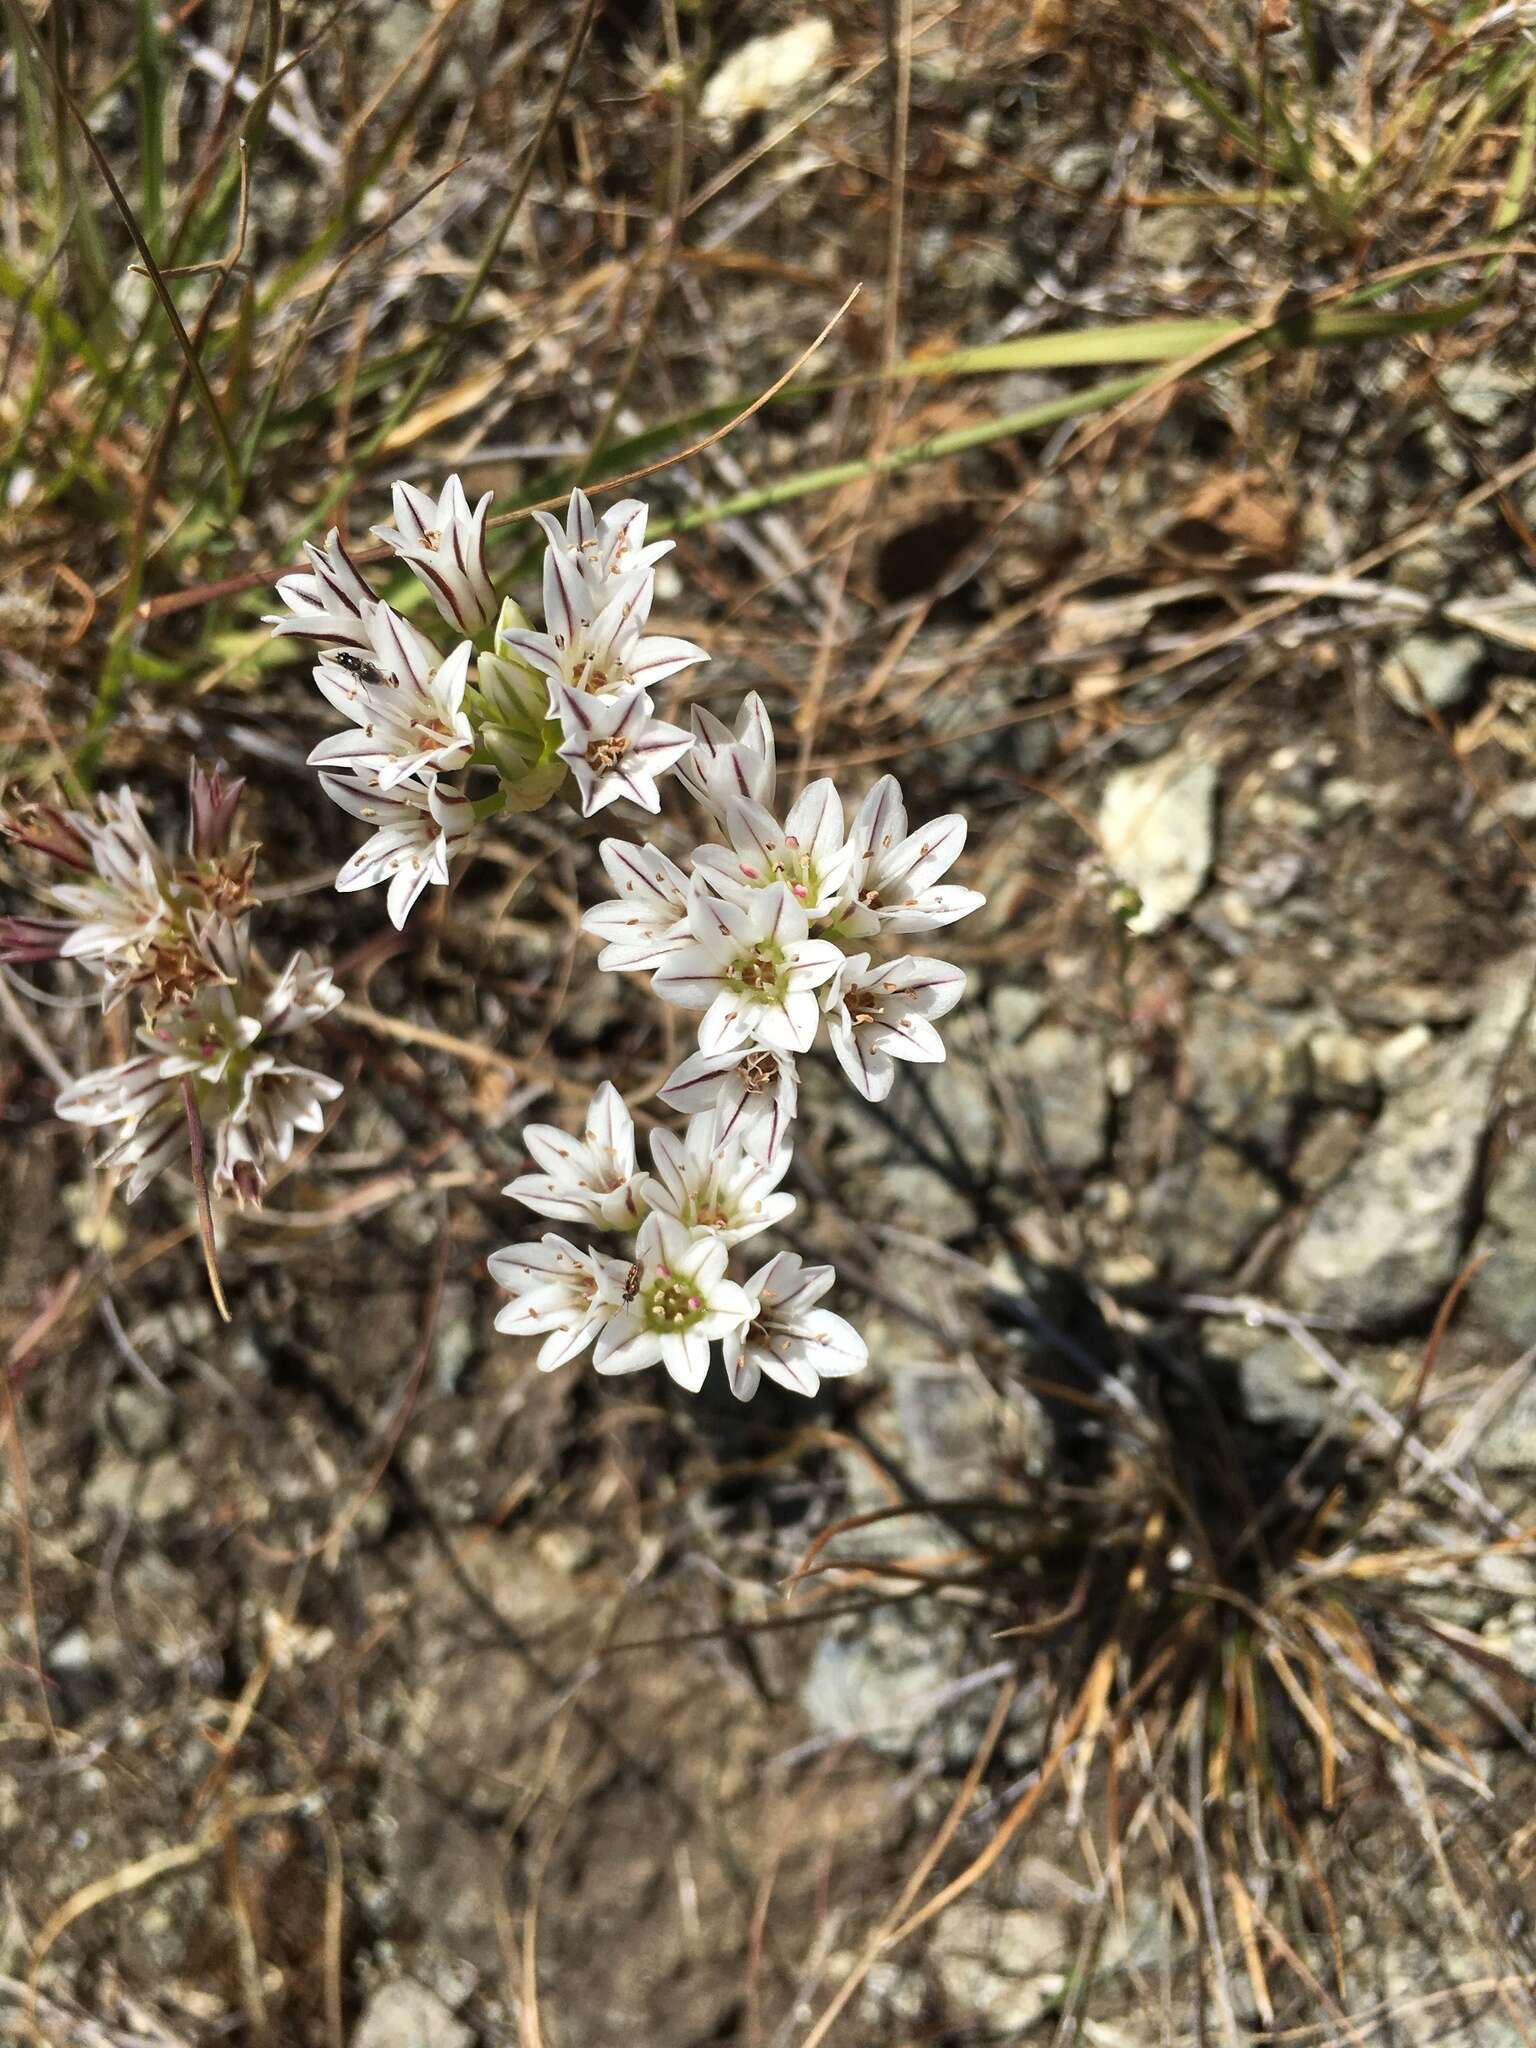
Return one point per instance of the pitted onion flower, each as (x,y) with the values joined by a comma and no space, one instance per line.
(751,1093)
(596,554)
(590,1179)
(328,601)
(444,543)
(726,764)
(406,706)
(877,1014)
(420,829)
(616,747)
(895,883)
(789,1340)
(648,919)
(712,1186)
(602,656)
(560,1293)
(808,852)
(754,970)
(677,1302)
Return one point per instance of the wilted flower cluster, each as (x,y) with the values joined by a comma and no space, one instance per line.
(772,927)
(173,932)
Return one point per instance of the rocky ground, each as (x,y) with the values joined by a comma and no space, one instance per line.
(360,1684)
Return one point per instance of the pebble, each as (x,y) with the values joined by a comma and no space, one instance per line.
(1434,669)
(408,2015)
(1386,1239)
(1157,825)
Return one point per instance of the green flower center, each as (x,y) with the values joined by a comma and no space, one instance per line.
(760,973)
(672,1303)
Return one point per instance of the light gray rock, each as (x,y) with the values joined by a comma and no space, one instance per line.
(1014,1012)
(1001,1965)
(408,2015)
(1157,824)
(1060,1073)
(1275,1392)
(1387,1238)
(885,1680)
(1207,1211)
(1505,1288)
(1247,1071)
(1081,166)
(913,1196)
(1343,1070)
(1441,665)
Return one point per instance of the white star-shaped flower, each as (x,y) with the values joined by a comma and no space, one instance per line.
(420,829)
(754,970)
(406,707)
(603,655)
(616,747)
(807,852)
(559,1293)
(883,1013)
(789,1340)
(648,918)
(894,880)
(444,542)
(599,553)
(328,601)
(726,764)
(590,1179)
(677,1301)
(712,1186)
(753,1094)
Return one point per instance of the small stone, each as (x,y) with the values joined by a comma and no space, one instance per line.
(1274,1393)
(884,1681)
(1157,824)
(1060,1073)
(408,2015)
(1387,1238)
(1330,1143)
(1442,667)
(169,1488)
(1505,1288)
(1014,1012)
(1206,1212)
(1279,983)
(916,1197)
(1343,1069)
(74,1651)
(1081,166)
(767,71)
(1479,391)
(1404,1057)
(1004,1966)
(141,1417)
(1247,1073)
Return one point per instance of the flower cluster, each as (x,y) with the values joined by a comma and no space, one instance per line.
(173,931)
(772,927)
(769,932)
(668,1297)
(572,700)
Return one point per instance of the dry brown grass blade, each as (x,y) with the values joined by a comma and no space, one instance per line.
(1247,1924)
(15,1458)
(927,1862)
(204,1201)
(132,1877)
(254,579)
